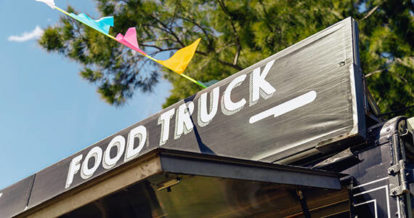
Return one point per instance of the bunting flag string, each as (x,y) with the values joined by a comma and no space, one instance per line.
(177,63)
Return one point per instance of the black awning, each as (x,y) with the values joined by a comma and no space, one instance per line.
(182,184)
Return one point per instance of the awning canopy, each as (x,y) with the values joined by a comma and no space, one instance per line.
(183,184)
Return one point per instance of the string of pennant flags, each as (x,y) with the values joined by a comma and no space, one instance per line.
(177,63)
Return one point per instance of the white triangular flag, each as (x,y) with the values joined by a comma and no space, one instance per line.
(51,3)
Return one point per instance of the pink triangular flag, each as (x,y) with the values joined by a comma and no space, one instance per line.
(130,40)
(131,37)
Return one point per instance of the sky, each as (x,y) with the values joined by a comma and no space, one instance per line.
(47,111)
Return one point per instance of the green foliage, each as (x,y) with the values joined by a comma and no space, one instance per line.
(235,35)
(387,53)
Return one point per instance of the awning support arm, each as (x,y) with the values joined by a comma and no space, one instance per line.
(303,204)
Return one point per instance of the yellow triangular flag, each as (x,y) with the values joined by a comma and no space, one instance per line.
(179,61)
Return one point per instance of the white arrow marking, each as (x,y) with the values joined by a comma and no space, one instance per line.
(285,107)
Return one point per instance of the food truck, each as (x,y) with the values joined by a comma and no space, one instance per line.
(294,135)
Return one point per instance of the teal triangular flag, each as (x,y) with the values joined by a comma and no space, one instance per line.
(102,25)
(105,23)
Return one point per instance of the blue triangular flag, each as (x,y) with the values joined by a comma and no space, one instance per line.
(102,25)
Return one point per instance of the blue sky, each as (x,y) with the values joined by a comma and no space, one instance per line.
(47,112)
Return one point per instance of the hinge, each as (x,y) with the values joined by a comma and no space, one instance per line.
(397,176)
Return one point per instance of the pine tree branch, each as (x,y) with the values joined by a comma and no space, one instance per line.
(165,28)
(373,72)
(266,15)
(396,111)
(396,60)
(235,33)
(233,65)
(169,30)
(237,67)
(400,61)
(370,12)
(206,34)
